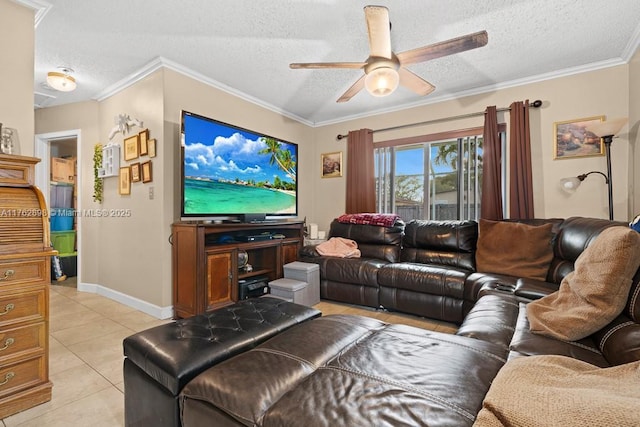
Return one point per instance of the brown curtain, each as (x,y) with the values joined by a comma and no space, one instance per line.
(491,203)
(361,185)
(520,177)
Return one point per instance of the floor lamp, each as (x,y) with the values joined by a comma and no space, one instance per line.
(607,130)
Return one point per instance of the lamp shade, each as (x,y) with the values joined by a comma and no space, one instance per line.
(570,184)
(608,128)
(382,81)
(61,81)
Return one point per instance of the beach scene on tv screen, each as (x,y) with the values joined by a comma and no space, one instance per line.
(232,171)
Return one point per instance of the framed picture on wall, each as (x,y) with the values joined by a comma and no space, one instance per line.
(135,172)
(146,171)
(572,140)
(151,147)
(144,139)
(331,164)
(131,148)
(124,187)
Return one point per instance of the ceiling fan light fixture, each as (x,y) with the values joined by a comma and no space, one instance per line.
(61,80)
(382,81)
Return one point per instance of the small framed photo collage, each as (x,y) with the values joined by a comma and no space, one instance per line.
(139,149)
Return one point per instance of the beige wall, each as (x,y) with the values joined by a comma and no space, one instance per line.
(604,92)
(133,256)
(16,71)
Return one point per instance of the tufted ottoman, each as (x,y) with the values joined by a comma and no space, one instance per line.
(160,361)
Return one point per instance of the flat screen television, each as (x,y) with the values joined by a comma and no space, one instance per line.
(228,171)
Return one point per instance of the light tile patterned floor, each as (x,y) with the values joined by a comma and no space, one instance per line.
(86,333)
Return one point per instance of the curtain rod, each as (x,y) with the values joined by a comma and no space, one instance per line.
(535,104)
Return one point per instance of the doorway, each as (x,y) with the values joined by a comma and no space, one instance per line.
(59,177)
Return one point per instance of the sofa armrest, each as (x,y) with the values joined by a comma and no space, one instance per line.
(309,251)
(534,289)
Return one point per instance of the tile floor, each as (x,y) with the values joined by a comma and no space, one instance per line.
(85,363)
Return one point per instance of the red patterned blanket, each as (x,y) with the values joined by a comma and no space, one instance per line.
(382,220)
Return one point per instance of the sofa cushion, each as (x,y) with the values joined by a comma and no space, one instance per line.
(426,279)
(514,249)
(619,340)
(595,293)
(358,271)
(525,342)
(350,371)
(373,241)
(447,243)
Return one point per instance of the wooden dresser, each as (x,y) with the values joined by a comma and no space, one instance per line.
(25,275)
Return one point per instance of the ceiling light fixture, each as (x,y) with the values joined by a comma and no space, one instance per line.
(382,81)
(61,80)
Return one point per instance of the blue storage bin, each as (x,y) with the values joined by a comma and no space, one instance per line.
(61,219)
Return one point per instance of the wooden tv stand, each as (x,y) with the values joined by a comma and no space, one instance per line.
(205,269)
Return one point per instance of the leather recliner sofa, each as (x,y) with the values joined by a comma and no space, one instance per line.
(428,268)
(345,370)
(351,370)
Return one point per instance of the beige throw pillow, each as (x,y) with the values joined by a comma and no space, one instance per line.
(514,249)
(593,294)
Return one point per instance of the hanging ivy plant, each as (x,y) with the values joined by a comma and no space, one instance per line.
(97,181)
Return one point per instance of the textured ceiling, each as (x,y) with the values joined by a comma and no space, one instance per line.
(246,46)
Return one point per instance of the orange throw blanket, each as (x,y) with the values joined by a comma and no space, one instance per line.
(339,247)
(595,293)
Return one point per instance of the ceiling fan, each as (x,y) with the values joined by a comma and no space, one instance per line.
(384,69)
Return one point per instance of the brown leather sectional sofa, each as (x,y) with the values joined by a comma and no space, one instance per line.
(428,268)
(342,370)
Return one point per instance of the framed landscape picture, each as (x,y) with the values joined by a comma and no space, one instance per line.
(331,164)
(572,140)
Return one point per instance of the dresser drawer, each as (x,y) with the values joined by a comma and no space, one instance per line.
(25,340)
(23,306)
(30,270)
(21,375)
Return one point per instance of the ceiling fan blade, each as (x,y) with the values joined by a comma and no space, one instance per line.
(379,31)
(414,82)
(354,89)
(298,65)
(448,47)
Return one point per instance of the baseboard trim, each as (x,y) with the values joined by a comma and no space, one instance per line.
(133,302)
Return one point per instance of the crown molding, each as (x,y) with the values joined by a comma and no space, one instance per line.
(632,46)
(40,6)
(482,90)
(160,62)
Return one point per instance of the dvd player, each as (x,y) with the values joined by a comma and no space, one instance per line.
(254,237)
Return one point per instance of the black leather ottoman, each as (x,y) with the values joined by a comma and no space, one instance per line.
(160,361)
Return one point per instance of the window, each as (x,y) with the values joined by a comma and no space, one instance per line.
(440,178)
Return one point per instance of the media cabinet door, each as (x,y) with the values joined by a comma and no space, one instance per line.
(220,289)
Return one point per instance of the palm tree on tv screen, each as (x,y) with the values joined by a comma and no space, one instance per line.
(282,157)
